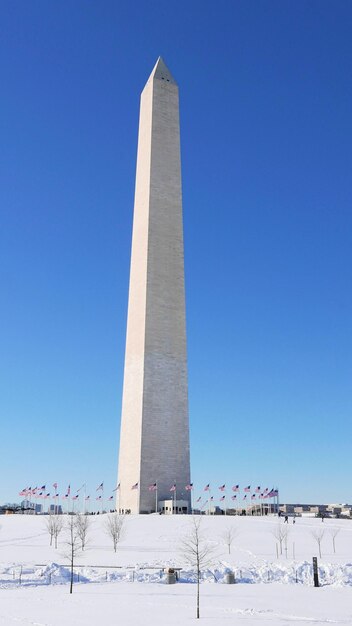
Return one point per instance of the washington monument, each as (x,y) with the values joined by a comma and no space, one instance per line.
(154,440)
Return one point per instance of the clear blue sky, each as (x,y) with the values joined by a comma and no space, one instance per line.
(266,101)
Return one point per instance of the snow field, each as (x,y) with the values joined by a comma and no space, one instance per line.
(269,590)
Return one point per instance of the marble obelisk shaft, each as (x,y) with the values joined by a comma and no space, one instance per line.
(154,441)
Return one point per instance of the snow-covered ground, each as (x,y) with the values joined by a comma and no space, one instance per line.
(129,587)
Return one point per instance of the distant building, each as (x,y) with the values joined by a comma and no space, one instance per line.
(328,510)
(55,509)
(29,506)
(170,507)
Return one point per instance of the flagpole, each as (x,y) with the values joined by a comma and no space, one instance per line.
(277,501)
(156,497)
(102,499)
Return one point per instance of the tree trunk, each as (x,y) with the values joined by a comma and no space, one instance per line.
(198,596)
(71,583)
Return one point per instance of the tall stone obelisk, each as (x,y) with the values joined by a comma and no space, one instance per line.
(154,440)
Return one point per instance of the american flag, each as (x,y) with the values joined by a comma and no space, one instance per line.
(55,486)
(98,497)
(111,498)
(235,488)
(247,489)
(234,498)
(75,497)
(135,486)
(40,495)
(273,493)
(153,487)
(253,496)
(199,499)
(69,489)
(207,487)
(266,490)
(101,486)
(42,488)
(244,497)
(87,497)
(212,498)
(189,487)
(173,488)
(65,496)
(56,495)
(117,488)
(222,488)
(23,492)
(257,490)
(222,498)
(47,495)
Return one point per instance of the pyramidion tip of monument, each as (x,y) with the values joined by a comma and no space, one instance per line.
(162,72)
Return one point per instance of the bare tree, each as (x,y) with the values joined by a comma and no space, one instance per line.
(318,536)
(54,525)
(281,533)
(73,545)
(82,526)
(58,526)
(228,536)
(49,523)
(114,527)
(334,532)
(285,539)
(196,551)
